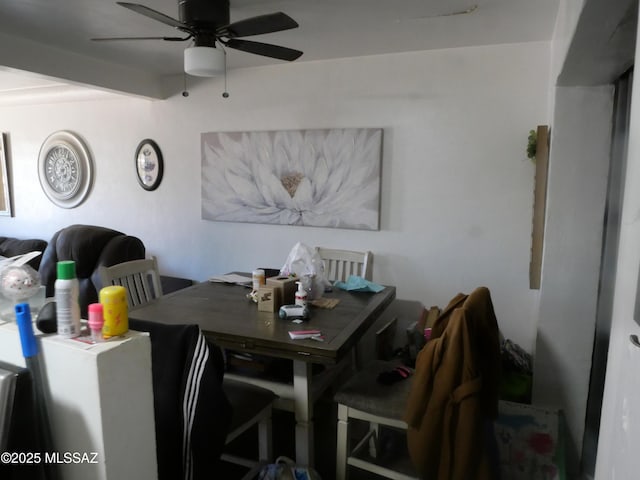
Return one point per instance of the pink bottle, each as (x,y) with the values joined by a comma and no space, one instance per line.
(96,321)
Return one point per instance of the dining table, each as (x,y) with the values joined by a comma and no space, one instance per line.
(228,317)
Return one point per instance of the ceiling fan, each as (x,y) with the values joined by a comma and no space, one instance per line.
(207,23)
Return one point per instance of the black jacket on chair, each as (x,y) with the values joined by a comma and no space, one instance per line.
(192,412)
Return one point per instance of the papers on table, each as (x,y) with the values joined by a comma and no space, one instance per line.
(232,278)
(300,334)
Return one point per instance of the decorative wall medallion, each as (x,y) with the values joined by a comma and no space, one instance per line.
(149,164)
(65,169)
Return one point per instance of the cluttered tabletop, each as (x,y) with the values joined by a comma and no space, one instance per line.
(234,314)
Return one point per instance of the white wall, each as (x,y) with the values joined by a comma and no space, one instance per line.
(576,197)
(620,426)
(566,21)
(457,188)
(578,170)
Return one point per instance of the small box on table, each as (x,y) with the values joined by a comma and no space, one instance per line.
(267,299)
(285,288)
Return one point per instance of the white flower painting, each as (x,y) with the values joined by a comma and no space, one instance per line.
(321,178)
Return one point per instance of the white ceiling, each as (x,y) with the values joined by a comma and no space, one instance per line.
(62,32)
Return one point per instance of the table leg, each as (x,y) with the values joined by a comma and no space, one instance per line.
(303,409)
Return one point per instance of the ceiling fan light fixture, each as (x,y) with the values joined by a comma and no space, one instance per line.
(204,61)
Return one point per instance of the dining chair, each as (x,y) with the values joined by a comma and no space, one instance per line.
(455,392)
(252,405)
(364,399)
(445,409)
(340,264)
(141,278)
(198,411)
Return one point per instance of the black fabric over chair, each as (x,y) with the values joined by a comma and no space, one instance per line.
(10,247)
(90,247)
(192,412)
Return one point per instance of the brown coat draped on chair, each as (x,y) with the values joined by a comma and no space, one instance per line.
(454,395)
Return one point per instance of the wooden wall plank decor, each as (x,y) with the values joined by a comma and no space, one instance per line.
(539,205)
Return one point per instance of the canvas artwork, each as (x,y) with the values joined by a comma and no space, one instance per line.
(321,178)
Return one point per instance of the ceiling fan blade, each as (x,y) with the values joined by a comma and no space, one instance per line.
(272,22)
(153,14)
(168,39)
(264,49)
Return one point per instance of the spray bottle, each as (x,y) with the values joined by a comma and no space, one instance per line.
(67,294)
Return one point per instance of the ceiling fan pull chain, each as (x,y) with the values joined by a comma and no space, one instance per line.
(225,94)
(185,92)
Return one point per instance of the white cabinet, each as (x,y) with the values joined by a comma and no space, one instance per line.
(100,402)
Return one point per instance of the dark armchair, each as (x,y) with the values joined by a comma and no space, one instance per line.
(90,247)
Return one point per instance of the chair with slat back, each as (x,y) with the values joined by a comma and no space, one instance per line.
(363,399)
(141,279)
(251,404)
(252,407)
(455,381)
(340,264)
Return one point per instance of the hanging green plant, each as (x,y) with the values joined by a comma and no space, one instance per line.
(532,145)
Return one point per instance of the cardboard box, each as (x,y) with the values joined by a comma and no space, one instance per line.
(285,288)
(267,299)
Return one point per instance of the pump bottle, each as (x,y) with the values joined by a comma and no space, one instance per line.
(301,295)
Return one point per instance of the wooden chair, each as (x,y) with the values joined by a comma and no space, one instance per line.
(252,405)
(141,279)
(363,399)
(340,264)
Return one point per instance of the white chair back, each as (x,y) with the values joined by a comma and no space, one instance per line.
(141,279)
(340,264)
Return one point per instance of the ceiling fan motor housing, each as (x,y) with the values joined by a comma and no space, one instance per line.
(204,14)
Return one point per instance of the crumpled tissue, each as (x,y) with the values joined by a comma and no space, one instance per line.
(358,284)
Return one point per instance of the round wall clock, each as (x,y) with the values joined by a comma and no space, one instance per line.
(65,169)
(149,164)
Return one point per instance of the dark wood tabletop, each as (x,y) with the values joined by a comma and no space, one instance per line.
(227,317)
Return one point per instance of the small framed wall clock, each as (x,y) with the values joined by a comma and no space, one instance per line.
(65,169)
(149,164)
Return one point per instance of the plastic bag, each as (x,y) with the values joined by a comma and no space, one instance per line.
(305,263)
(285,469)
